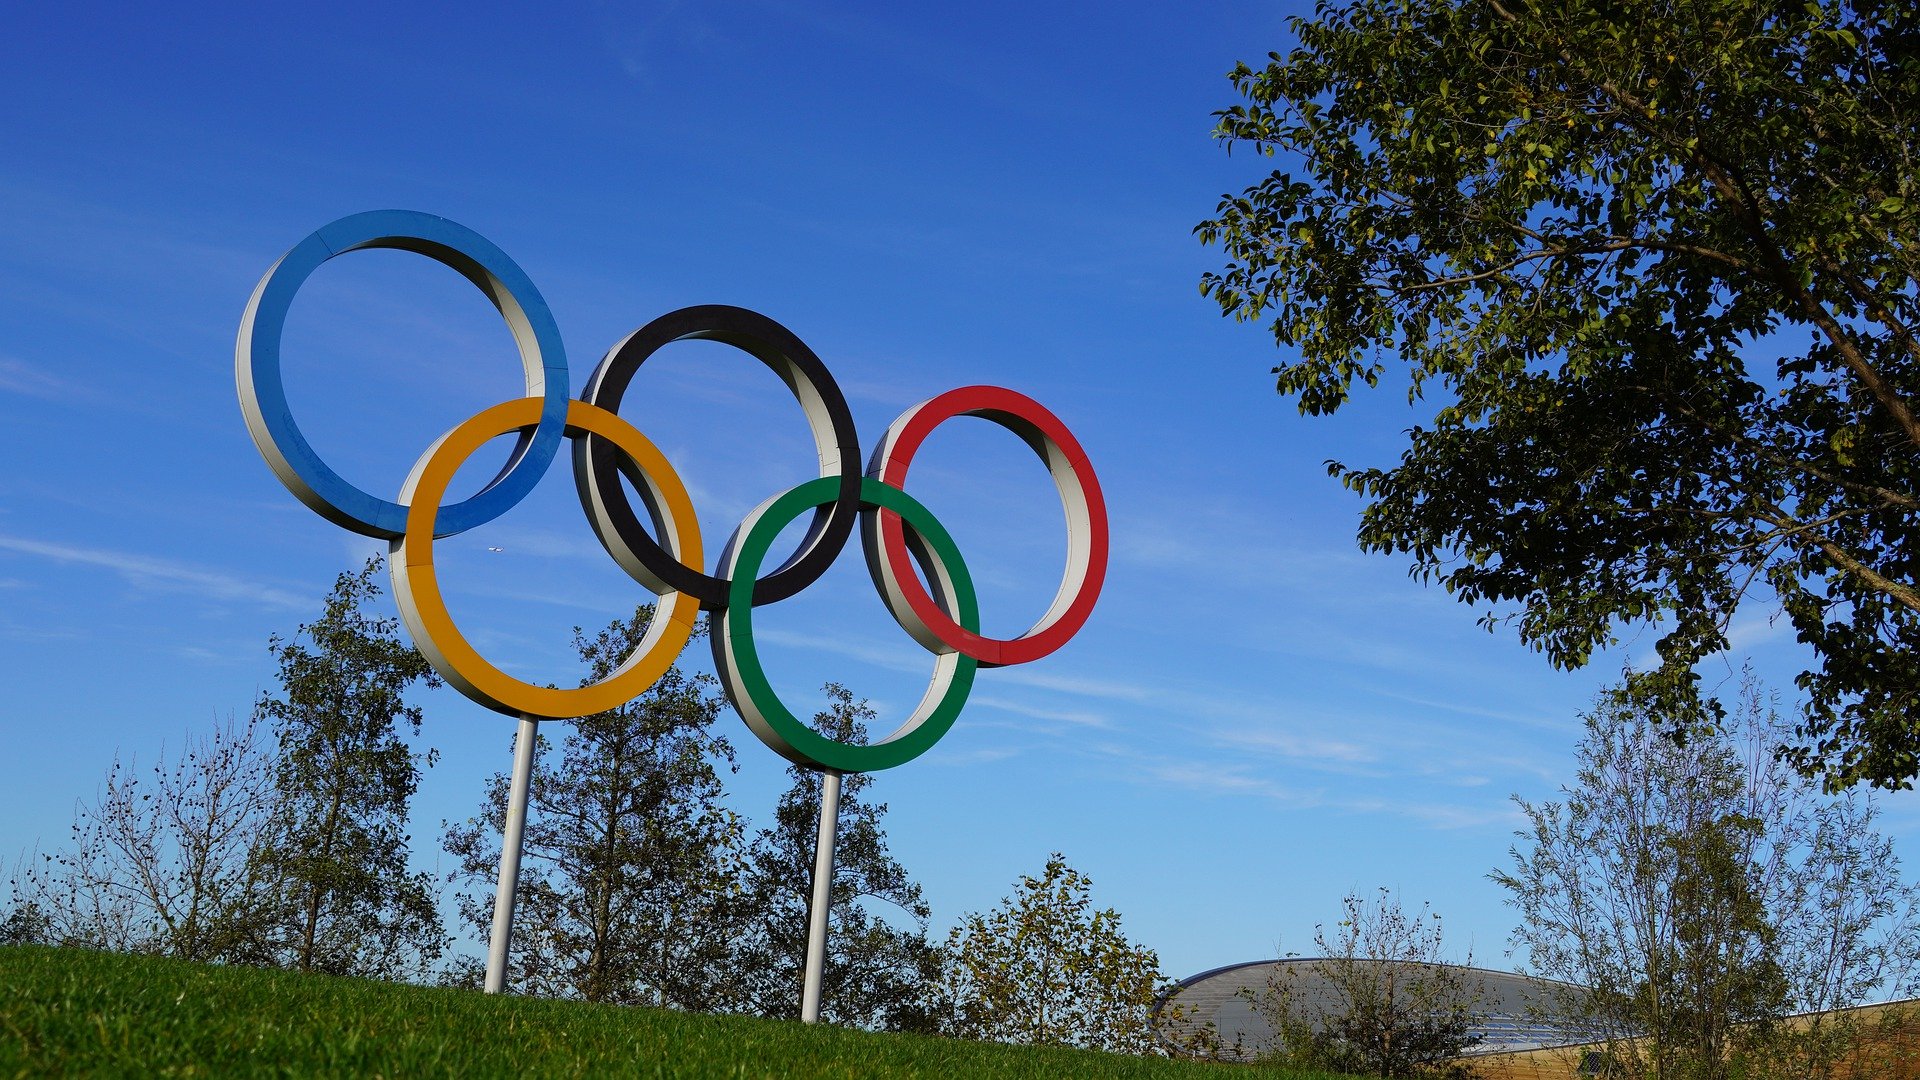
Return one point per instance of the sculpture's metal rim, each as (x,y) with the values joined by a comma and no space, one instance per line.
(1080,497)
(831,421)
(738,661)
(897,532)
(263,397)
(416,585)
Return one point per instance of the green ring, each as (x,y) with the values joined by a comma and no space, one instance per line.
(739,662)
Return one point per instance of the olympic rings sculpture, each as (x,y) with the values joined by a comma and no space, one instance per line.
(897,532)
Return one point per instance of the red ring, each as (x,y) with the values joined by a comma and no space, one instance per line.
(893,569)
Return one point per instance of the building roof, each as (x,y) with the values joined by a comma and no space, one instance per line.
(1513,1008)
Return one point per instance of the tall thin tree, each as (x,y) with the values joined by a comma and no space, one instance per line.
(1700,893)
(1046,967)
(628,891)
(338,895)
(879,970)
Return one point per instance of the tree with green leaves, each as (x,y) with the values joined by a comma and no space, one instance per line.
(1657,268)
(26,924)
(335,892)
(629,882)
(1693,896)
(1380,1000)
(1046,968)
(880,965)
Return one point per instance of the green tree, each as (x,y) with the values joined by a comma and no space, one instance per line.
(878,974)
(1701,893)
(1716,981)
(337,895)
(628,889)
(1658,267)
(160,861)
(1046,968)
(1379,1001)
(26,924)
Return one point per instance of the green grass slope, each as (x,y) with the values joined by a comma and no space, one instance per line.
(68,1012)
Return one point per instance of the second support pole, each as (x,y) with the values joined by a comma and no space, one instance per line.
(510,843)
(822,898)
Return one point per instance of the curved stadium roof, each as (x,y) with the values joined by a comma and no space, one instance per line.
(1512,1005)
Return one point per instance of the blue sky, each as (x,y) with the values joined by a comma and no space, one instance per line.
(1256,720)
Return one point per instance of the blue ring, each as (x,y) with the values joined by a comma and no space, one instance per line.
(263,397)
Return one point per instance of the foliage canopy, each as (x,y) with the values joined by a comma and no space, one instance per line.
(333,890)
(627,893)
(1390,1005)
(279,840)
(1046,968)
(880,965)
(1700,894)
(1657,266)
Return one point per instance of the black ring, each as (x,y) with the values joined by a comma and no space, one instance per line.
(596,462)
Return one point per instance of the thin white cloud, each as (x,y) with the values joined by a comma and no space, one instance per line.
(1440,815)
(1535,720)
(895,393)
(524,541)
(1270,724)
(20,377)
(1549,772)
(1748,631)
(1246,778)
(199,655)
(148,572)
(984,756)
(1215,780)
(1066,716)
(893,660)
(573,599)
(1293,744)
(840,646)
(358,548)
(1073,684)
(633,36)
(1261,549)
(39,633)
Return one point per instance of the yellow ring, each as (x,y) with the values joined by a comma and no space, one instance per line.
(417,587)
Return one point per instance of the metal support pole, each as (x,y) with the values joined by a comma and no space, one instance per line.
(822,898)
(497,945)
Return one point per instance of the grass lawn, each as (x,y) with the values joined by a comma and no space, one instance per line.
(70,1012)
